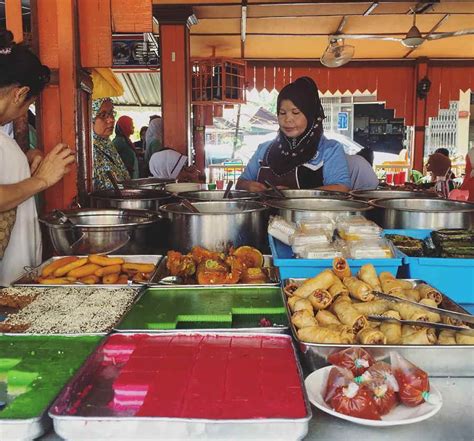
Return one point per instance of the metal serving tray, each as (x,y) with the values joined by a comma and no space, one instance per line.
(100,424)
(271,271)
(31,274)
(437,360)
(136,314)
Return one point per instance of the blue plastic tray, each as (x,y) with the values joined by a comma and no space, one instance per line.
(451,276)
(290,267)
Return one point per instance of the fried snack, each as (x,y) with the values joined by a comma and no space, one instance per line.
(411,312)
(392,330)
(358,289)
(326,318)
(451,321)
(250,256)
(341,268)
(368,275)
(141,277)
(411,294)
(447,337)
(110,279)
(427,291)
(303,318)
(348,315)
(138,267)
(432,316)
(90,280)
(318,334)
(290,289)
(373,307)
(464,339)
(200,254)
(322,281)
(253,275)
(53,266)
(320,299)
(423,336)
(60,272)
(179,265)
(110,269)
(303,304)
(57,280)
(122,280)
(105,260)
(83,271)
(370,336)
(337,288)
(346,332)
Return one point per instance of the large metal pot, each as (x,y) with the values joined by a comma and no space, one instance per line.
(368,195)
(423,213)
(130,198)
(307,193)
(105,231)
(218,195)
(147,183)
(295,210)
(217,225)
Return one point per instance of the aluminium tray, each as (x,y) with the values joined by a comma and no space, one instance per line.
(172,309)
(31,274)
(438,360)
(271,271)
(100,424)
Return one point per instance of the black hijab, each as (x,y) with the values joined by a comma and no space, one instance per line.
(284,153)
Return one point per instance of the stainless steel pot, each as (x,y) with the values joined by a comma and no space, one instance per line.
(105,231)
(295,210)
(217,225)
(368,195)
(307,193)
(130,198)
(218,195)
(148,183)
(423,213)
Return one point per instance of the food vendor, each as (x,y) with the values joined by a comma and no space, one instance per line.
(300,156)
(22,78)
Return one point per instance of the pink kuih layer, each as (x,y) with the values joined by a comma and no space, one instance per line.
(207,376)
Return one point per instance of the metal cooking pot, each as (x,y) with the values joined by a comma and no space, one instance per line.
(131,198)
(217,225)
(294,210)
(149,183)
(423,213)
(307,193)
(218,195)
(105,231)
(368,195)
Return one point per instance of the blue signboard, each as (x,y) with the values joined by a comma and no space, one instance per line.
(342,120)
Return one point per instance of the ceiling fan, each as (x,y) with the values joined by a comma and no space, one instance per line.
(337,53)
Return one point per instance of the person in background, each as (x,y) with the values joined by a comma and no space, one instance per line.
(445,152)
(361,173)
(122,142)
(22,78)
(154,137)
(169,164)
(439,166)
(468,181)
(300,156)
(140,144)
(368,154)
(106,157)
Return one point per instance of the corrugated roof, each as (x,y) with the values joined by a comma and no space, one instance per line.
(141,89)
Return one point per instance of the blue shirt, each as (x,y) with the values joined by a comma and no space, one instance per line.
(330,156)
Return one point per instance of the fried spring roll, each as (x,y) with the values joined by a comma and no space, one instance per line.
(318,334)
(432,316)
(370,336)
(358,289)
(338,288)
(320,299)
(373,307)
(464,339)
(368,275)
(341,267)
(348,315)
(447,337)
(427,291)
(290,289)
(423,336)
(411,294)
(300,304)
(410,312)
(346,332)
(303,318)
(451,321)
(322,281)
(392,330)
(326,318)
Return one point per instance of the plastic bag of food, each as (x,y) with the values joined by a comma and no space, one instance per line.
(281,229)
(316,221)
(338,377)
(317,251)
(384,397)
(413,382)
(357,360)
(381,372)
(362,229)
(354,400)
(373,249)
(312,237)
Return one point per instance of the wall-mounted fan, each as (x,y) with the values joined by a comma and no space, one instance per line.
(337,53)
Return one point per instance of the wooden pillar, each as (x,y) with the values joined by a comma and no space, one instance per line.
(199,136)
(14,19)
(419,119)
(175,85)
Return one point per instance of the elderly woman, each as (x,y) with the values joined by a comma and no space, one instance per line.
(106,157)
(300,156)
(122,142)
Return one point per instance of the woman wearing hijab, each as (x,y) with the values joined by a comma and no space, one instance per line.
(106,157)
(123,130)
(154,137)
(300,156)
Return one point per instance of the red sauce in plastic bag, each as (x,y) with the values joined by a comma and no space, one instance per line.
(355,401)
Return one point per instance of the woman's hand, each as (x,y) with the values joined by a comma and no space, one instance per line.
(252,186)
(34,157)
(55,165)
